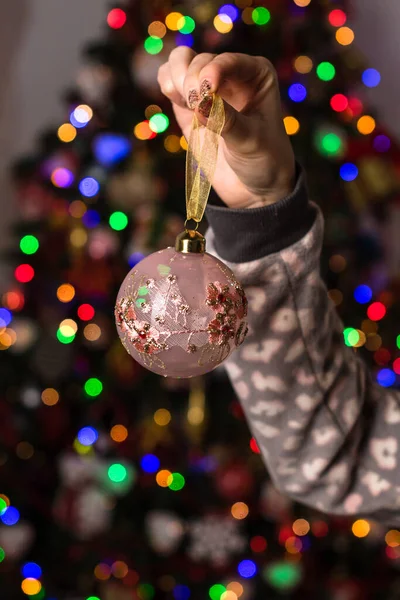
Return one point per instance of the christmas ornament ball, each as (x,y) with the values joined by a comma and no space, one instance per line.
(180,311)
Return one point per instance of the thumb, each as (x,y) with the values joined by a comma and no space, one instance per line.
(238,129)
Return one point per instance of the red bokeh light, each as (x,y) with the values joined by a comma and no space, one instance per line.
(376,311)
(382,356)
(14,300)
(258,543)
(116,18)
(86,312)
(356,106)
(24,273)
(254,446)
(396,366)
(319,528)
(285,533)
(337,18)
(339,102)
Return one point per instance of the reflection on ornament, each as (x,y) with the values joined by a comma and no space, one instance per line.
(215,539)
(165,530)
(181,314)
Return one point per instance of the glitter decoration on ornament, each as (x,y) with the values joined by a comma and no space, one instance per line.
(215,539)
(181,314)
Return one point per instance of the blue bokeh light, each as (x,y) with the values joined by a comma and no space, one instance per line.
(382,143)
(297,92)
(230,10)
(247,568)
(5,317)
(74,121)
(150,463)
(31,569)
(348,172)
(110,148)
(363,294)
(371,78)
(184,39)
(386,377)
(10,516)
(87,436)
(89,187)
(91,218)
(135,258)
(181,592)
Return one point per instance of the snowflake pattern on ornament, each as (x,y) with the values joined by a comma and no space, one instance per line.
(215,539)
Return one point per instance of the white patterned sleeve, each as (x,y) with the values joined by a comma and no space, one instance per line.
(329,436)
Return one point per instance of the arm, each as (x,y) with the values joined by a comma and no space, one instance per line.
(328,435)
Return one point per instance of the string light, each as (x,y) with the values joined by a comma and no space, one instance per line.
(345,36)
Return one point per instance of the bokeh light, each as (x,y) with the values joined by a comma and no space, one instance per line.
(118,433)
(162,417)
(297,92)
(258,543)
(240,510)
(392,538)
(215,592)
(24,273)
(118,221)
(301,527)
(292,125)
(14,300)
(62,177)
(111,148)
(326,71)
(345,36)
(376,311)
(81,115)
(158,122)
(31,586)
(172,20)
(349,172)
(5,317)
(93,386)
(87,436)
(261,15)
(92,332)
(177,483)
(337,17)
(186,25)
(371,78)
(339,102)
(10,516)
(247,568)
(303,64)
(50,396)
(164,478)
(230,10)
(31,569)
(66,132)
(142,131)
(386,377)
(366,124)
(89,187)
(223,23)
(86,312)
(150,463)
(65,292)
(382,143)
(117,473)
(157,29)
(116,18)
(172,143)
(302,3)
(363,294)
(361,528)
(153,44)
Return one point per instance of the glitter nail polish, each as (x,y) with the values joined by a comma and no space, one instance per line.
(205,87)
(193,98)
(204,106)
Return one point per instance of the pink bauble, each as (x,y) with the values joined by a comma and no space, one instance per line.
(181,314)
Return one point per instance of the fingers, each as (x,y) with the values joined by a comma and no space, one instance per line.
(167,85)
(191,86)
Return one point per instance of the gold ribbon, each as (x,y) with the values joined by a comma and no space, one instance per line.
(201,160)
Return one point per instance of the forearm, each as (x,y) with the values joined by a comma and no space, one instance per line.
(327,434)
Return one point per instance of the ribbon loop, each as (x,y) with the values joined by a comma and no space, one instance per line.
(201,159)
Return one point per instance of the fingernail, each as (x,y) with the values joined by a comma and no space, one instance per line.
(205,87)
(193,98)
(204,106)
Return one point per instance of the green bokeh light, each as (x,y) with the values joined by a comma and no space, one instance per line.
(118,220)
(93,386)
(177,483)
(117,473)
(158,122)
(39,596)
(398,341)
(3,506)
(93,598)
(261,15)
(331,143)
(153,44)
(216,591)
(326,71)
(29,244)
(188,25)
(2,555)
(351,336)
(283,575)
(145,591)
(65,339)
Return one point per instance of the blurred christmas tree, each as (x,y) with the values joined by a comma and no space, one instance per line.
(117,484)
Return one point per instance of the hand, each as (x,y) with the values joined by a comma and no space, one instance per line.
(255,164)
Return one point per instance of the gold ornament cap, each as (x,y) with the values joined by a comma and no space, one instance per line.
(190,242)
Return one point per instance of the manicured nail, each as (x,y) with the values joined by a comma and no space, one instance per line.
(204,106)
(205,87)
(193,98)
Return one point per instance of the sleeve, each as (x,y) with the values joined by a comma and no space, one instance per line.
(328,434)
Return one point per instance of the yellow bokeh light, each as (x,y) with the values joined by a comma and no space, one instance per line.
(229,595)
(164,478)
(78,237)
(65,292)
(301,527)
(118,433)
(8,337)
(92,332)
(239,510)
(68,327)
(392,538)
(369,326)
(142,131)
(102,572)
(293,545)
(50,396)
(374,342)
(77,209)
(172,143)
(302,3)
(172,20)
(183,142)
(236,588)
(80,448)
(366,124)
(223,23)
(362,338)
(303,64)
(157,29)
(162,417)
(292,125)
(345,36)
(361,528)
(31,586)
(86,109)
(247,16)
(120,569)
(151,110)
(66,132)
